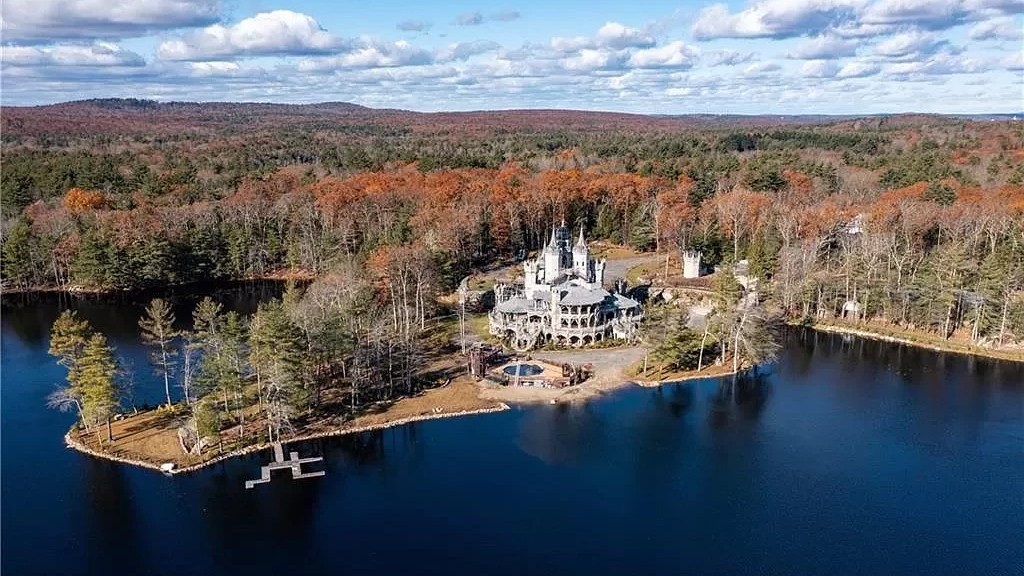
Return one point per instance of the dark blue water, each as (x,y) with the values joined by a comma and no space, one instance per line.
(850,457)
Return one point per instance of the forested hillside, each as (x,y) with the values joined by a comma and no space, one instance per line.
(918,219)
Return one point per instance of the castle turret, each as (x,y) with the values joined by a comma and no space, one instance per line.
(552,259)
(581,258)
(531,267)
(599,273)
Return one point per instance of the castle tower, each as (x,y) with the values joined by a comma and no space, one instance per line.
(599,273)
(552,259)
(691,264)
(530,269)
(581,258)
(563,240)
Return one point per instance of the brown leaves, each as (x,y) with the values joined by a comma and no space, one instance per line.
(78,200)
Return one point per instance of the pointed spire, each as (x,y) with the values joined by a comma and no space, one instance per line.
(581,241)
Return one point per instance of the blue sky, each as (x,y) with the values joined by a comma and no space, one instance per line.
(660,57)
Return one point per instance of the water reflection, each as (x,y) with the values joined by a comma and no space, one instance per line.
(742,399)
(564,433)
(111,519)
(29,316)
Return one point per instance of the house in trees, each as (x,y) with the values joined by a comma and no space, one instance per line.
(562,300)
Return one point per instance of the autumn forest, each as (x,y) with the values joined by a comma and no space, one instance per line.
(121,194)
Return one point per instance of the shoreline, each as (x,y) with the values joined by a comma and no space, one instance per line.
(603,384)
(978,351)
(285,276)
(75,444)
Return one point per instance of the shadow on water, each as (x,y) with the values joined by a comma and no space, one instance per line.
(29,316)
(111,517)
(563,433)
(739,400)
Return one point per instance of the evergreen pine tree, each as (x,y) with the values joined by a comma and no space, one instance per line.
(159,334)
(97,369)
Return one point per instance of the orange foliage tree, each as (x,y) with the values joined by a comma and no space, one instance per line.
(78,200)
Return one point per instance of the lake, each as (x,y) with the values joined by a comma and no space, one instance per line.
(848,457)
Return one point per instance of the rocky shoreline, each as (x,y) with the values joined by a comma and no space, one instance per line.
(1007,355)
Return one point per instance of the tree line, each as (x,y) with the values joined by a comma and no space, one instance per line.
(348,339)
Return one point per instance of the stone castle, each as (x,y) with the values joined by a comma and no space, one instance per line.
(562,300)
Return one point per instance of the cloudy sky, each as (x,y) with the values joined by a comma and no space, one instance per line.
(650,56)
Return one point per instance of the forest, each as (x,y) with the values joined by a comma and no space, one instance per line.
(939,201)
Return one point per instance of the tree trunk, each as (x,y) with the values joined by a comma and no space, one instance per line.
(166,370)
(1002,322)
(703,341)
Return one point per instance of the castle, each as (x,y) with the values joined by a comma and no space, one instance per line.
(562,300)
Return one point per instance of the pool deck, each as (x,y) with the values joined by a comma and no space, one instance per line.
(549,377)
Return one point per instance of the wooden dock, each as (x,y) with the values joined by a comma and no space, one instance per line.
(293,462)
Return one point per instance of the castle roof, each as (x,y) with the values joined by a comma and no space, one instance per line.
(552,247)
(572,295)
(581,243)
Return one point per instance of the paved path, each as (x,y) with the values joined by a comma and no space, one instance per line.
(609,361)
(617,268)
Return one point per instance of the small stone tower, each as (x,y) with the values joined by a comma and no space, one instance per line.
(599,273)
(691,264)
(530,269)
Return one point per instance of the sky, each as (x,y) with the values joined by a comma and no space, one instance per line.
(645,56)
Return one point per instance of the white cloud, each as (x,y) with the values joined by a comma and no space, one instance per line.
(729,58)
(466,50)
(825,47)
(774,19)
(938,64)
(759,68)
(590,59)
(223,70)
(52,20)
(413,26)
(932,14)
(819,69)
(909,44)
(97,54)
(672,55)
(938,14)
(611,35)
(371,54)
(1014,62)
(858,70)
(471,19)
(1002,28)
(280,32)
(476,18)
(615,35)
(506,16)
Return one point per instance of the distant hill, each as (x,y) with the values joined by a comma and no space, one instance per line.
(117,116)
